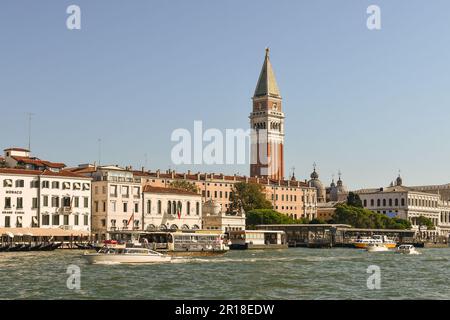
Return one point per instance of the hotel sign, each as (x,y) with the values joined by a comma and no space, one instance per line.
(13,192)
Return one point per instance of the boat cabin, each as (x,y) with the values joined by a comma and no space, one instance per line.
(257,239)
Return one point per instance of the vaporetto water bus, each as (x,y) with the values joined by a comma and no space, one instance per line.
(180,242)
(364,242)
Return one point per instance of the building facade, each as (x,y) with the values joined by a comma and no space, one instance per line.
(215,218)
(407,203)
(171,209)
(39,194)
(290,197)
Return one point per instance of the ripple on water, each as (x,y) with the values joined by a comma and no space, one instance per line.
(278,274)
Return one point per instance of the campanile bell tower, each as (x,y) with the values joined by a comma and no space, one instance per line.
(267,120)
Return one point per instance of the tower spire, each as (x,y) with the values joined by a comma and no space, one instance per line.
(267,84)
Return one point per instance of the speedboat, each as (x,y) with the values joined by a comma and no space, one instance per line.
(376,247)
(407,249)
(125,255)
(363,243)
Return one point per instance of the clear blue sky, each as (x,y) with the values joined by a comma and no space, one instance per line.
(366,102)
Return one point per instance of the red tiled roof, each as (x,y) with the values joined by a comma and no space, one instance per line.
(150,189)
(38,162)
(20,171)
(65,174)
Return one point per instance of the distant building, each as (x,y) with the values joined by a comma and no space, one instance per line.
(215,218)
(171,209)
(409,203)
(36,193)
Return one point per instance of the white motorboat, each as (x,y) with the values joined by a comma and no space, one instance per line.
(376,247)
(111,255)
(407,249)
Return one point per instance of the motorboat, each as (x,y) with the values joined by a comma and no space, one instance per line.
(407,249)
(376,247)
(363,243)
(125,255)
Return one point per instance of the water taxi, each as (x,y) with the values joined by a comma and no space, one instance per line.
(362,243)
(376,247)
(118,254)
(407,249)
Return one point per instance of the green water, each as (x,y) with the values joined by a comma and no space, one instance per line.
(280,274)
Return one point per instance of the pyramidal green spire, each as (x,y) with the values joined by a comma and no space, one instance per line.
(267,85)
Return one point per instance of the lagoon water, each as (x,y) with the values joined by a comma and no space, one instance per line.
(298,273)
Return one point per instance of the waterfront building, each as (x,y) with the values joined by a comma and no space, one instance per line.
(290,197)
(318,185)
(171,209)
(267,119)
(326,210)
(406,203)
(116,199)
(36,193)
(215,218)
(337,192)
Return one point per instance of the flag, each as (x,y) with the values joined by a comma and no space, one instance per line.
(179,210)
(131,218)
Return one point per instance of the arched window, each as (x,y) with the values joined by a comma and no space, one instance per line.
(396,202)
(163,227)
(390,202)
(174,227)
(151,227)
(159,206)
(378,202)
(384,202)
(169,207)
(188,208)
(174,207)
(195,227)
(372,202)
(185,227)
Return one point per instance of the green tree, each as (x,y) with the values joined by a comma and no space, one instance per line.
(248,196)
(424,221)
(184,185)
(269,216)
(317,221)
(363,218)
(354,200)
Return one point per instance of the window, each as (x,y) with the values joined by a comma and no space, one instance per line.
(103,222)
(378,202)
(86,220)
(188,208)
(390,202)
(19,222)
(215,194)
(34,184)
(86,202)
(169,207)
(136,207)
(372,202)
(104,189)
(77,186)
(149,206)
(55,220)
(45,201)
(96,190)
(125,192)
(365,203)
(66,220)
(34,203)
(66,185)
(86,186)
(7,183)
(55,185)
(7,222)
(113,191)
(96,206)
(45,184)
(55,202)
(113,206)
(76,202)
(125,207)
(20,183)
(396,202)
(7,203)
(66,202)
(197,208)
(113,223)
(45,220)
(76,220)
(159,206)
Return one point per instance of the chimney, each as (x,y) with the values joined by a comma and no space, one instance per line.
(189,172)
(143,169)
(157,173)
